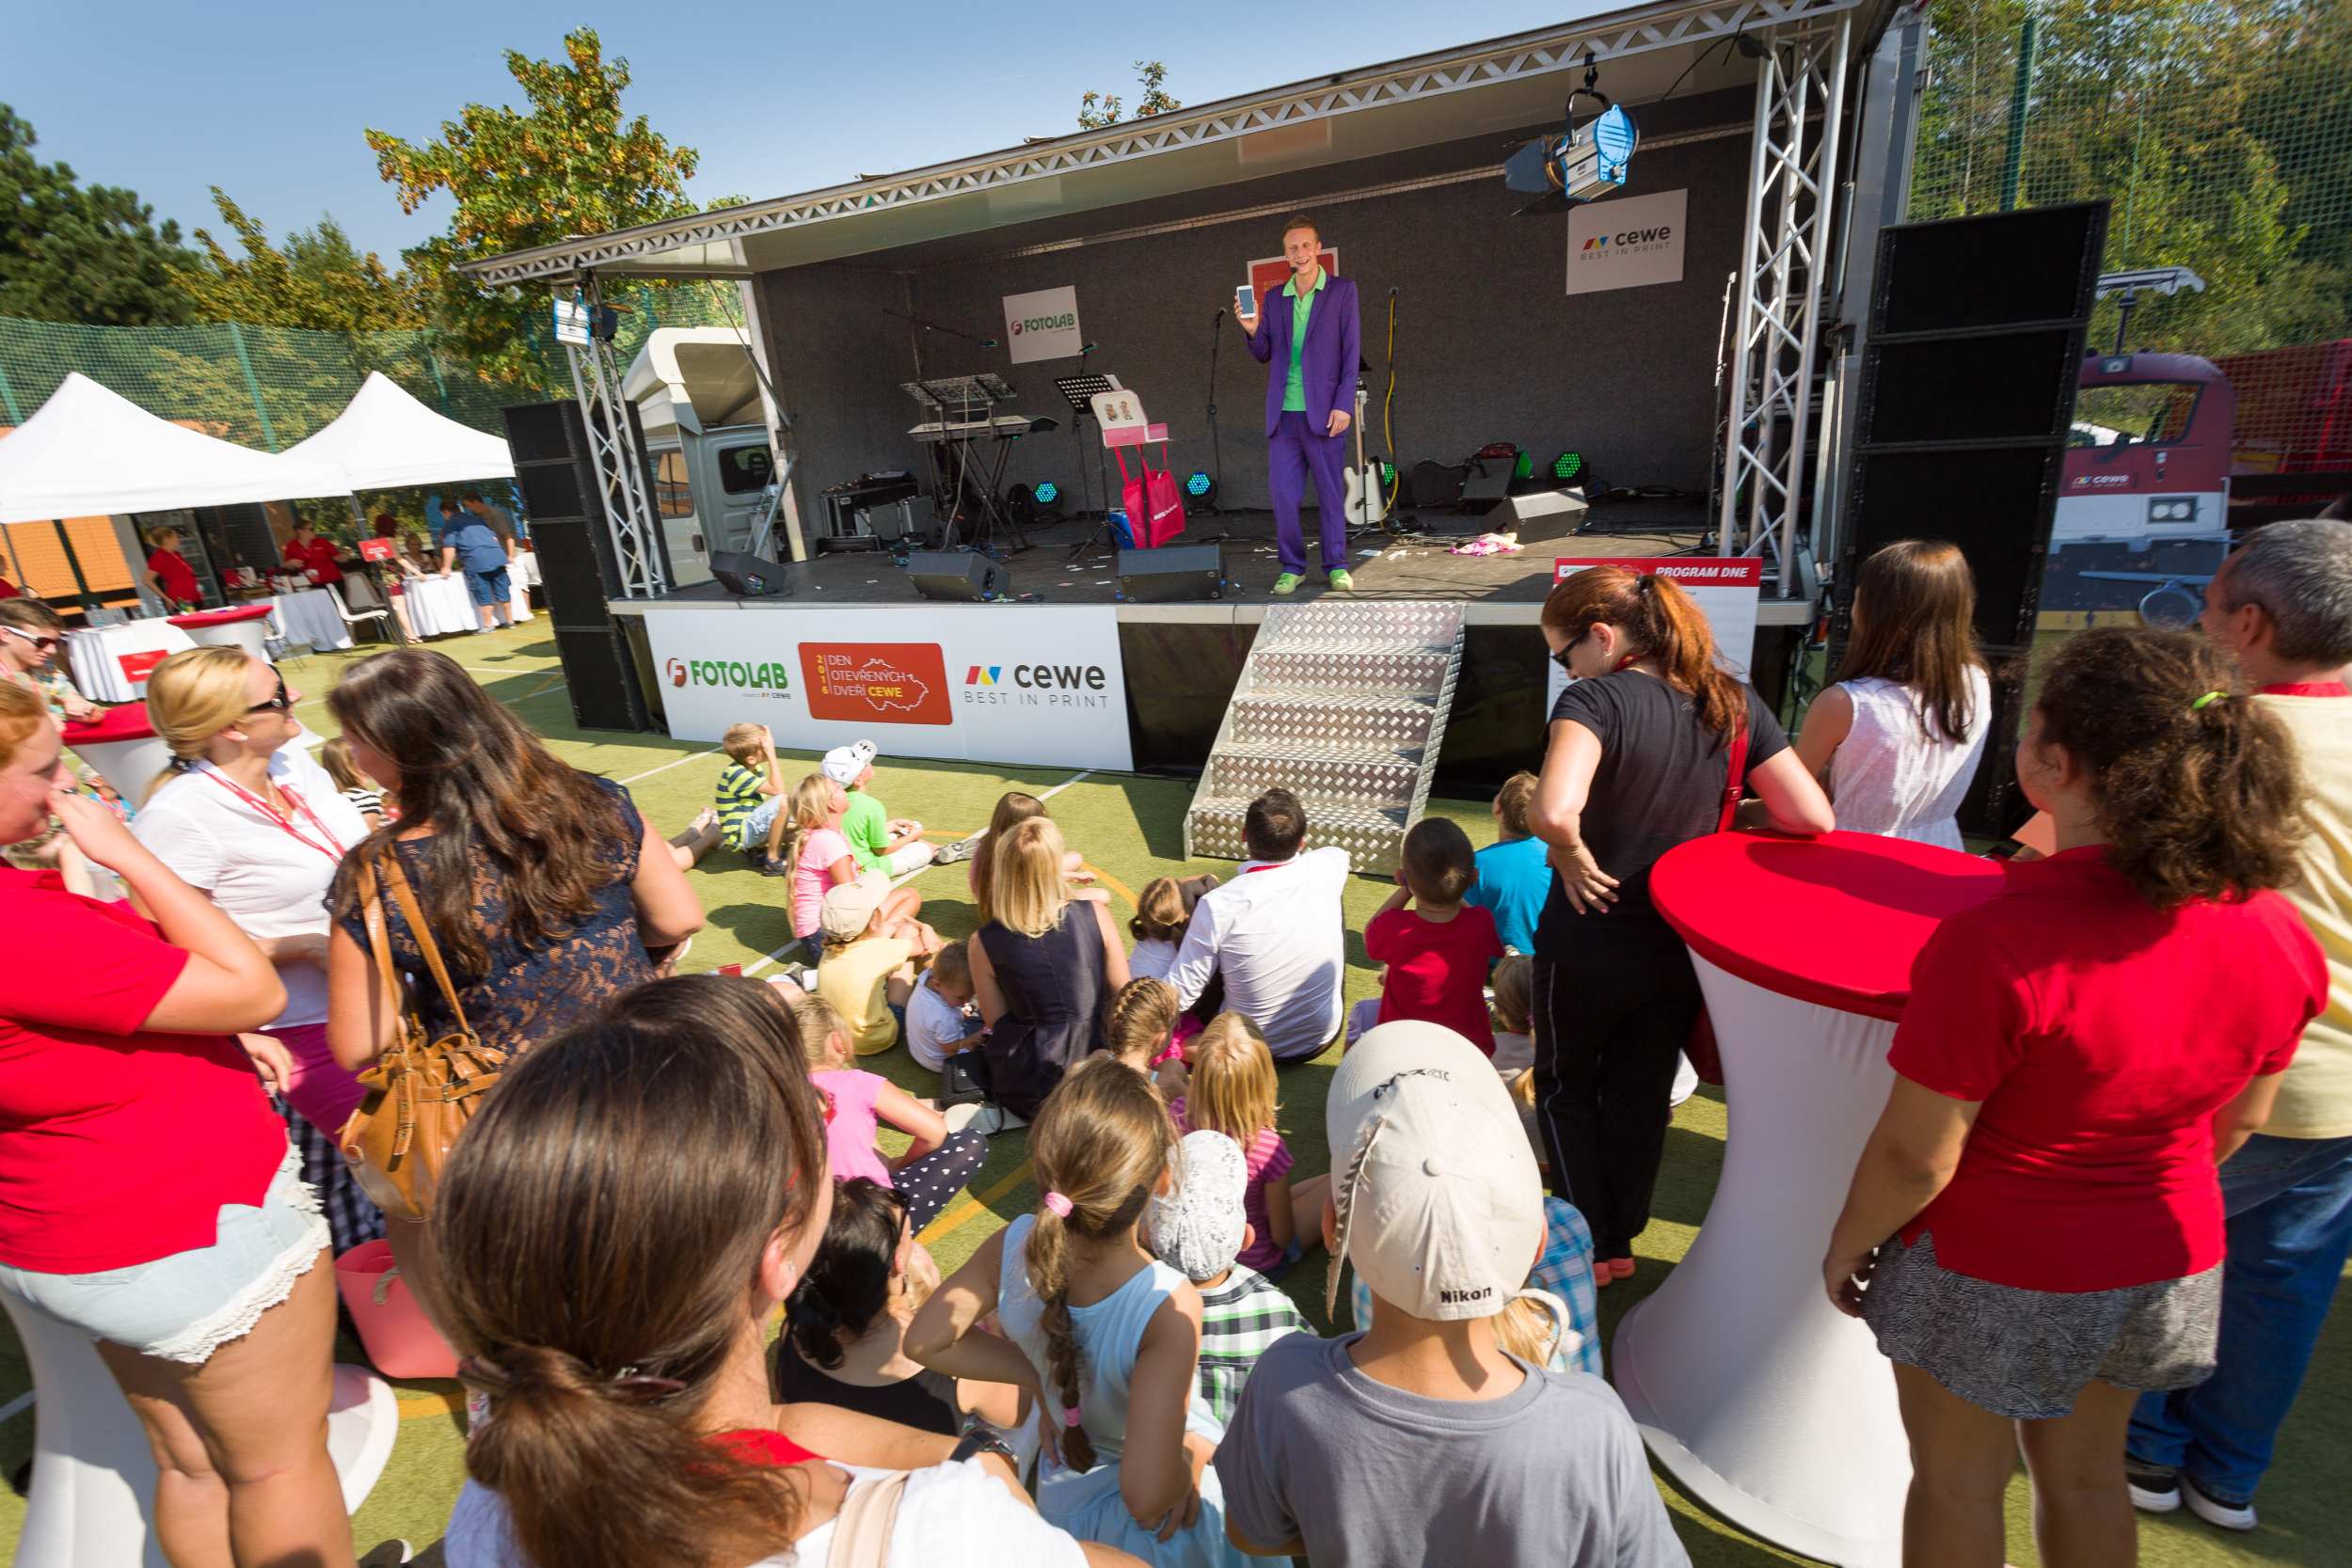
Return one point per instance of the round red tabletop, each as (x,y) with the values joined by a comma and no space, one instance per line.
(1834,920)
(219,617)
(127,722)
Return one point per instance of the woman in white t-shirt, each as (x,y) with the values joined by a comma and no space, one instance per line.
(1897,741)
(667,1162)
(244,814)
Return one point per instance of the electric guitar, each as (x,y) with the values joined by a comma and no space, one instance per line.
(1366,506)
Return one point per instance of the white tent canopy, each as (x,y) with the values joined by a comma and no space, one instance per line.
(89,452)
(386,439)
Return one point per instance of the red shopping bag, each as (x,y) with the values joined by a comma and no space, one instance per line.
(1155,508)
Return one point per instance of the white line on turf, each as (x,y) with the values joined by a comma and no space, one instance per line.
(900,880)
(675,762)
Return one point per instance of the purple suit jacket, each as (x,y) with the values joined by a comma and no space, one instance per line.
(1334,349)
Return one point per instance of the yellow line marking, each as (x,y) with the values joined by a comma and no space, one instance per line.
(1113,883)
(424,1407)
(971,1205)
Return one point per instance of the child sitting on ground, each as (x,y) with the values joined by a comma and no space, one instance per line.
(1231,1091)
(937,1165)
(1104,1329)
(1014,808)
(1437,950)
(1200,1230)
(1514,1017)
(1163,916)
(1514,879)
(867,971)
(941,1020)
(1139,1031)
(881,841)
(750,791)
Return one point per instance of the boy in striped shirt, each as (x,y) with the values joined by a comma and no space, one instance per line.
(1200,1230)
(751,790)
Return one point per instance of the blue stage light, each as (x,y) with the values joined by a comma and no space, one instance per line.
(1047,493)
(1199,483)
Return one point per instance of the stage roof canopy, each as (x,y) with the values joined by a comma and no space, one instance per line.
(1495,86)
(89,451)
(385,440)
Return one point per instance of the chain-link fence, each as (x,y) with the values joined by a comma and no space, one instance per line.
(2221,131)
(269,387)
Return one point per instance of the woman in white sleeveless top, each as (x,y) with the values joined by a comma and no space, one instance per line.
(1897,741)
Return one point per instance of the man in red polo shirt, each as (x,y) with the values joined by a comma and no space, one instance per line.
(307,552)
(170,575)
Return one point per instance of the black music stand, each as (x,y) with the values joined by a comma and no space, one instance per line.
(1080,391)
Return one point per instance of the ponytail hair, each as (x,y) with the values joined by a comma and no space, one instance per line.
(637,1164)
(811,803)
(2196,789)
(1142,1016)
(1101,1144)
(848,1282)
(1658,619)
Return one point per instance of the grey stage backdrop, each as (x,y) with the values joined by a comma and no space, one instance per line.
(1489,347)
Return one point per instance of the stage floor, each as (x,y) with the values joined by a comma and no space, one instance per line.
(1385,566)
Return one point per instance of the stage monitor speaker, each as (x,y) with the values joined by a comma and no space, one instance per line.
(748,576)
(1172,574)
(1488,478)
(957,575)
(1539,515)
(601,677)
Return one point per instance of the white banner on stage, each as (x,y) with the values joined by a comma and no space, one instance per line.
(1627,242)
(1723,587)
(1011,684)
(1042,325)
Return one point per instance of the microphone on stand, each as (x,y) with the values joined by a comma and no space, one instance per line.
(991,343)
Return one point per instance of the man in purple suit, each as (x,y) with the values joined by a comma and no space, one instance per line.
(1310,346)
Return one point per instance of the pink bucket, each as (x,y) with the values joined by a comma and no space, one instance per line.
(401,1340)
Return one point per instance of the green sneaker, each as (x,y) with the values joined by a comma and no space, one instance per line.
(1287,582)
(1341,581)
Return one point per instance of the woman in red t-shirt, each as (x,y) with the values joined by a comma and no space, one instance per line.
(2035,1229)
(307,552)
(147,1196)
(169,572)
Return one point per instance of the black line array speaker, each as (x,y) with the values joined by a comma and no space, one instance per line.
(957,575)
(1172,574)
(578,571)
(1968,390)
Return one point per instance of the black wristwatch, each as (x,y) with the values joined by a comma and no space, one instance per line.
(979,1439)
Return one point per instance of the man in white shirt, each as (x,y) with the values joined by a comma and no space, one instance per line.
(1274,932)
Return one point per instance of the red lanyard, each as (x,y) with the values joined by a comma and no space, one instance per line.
(2304,688)
(331,848)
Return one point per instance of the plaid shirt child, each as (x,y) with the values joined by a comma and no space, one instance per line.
(1239,1319)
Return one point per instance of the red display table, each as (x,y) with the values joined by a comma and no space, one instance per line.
(243,626)
(123,746)
(1760,1398)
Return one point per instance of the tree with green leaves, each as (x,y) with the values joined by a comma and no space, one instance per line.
(568,164)
(320,280)
(1097,110)
(70,252)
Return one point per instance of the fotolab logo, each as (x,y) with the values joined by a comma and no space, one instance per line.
(768,679)
(1062,322)
(1082,686)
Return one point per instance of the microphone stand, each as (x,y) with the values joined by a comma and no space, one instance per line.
(934,326)
(1217,441)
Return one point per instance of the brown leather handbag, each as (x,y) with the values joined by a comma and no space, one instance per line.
(420,1093)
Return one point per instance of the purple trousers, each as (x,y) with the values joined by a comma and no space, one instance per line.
(1294,450)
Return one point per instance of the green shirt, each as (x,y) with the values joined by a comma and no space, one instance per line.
(866,826)
(736,798)
(1294,389)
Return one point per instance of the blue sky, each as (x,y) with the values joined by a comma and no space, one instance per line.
(269,100)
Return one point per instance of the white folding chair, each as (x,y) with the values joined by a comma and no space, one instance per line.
(380,613)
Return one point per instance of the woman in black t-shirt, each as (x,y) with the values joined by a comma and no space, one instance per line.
(1637,761)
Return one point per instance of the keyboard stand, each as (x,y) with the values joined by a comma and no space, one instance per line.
(959,400)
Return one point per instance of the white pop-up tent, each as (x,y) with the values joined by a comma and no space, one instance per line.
(88,452)
(385,440)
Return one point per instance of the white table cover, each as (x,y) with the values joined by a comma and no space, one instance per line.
(522,575)
(439,606)
(308,616)
(94,656)
(1760,1398)
(243,634)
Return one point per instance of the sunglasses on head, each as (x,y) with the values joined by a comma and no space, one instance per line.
(279,700)
(46,645)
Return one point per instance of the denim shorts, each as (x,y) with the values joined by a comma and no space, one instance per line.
(187,1306)
(489,588)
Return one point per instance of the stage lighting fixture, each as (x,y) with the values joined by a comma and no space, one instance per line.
(1048,498)
(1525,466)
(1581,162)
(1199,485)
(1567,465)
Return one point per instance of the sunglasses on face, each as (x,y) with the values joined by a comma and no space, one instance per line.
(46,645)
(279,701)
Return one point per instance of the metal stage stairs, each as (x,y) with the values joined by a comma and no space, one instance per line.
(1343,702)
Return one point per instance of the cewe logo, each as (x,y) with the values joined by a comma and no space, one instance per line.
(1596,242)
(983,674)
(1659,235)
(885,683)
(1037,685)
(765,679)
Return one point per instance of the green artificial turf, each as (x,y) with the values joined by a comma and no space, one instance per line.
(1129,829)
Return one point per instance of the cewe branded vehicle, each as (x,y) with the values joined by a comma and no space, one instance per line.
(697,396)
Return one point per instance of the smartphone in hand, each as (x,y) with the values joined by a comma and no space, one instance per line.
(1245,303)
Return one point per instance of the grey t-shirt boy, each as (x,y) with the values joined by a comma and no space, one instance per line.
(1550,1476)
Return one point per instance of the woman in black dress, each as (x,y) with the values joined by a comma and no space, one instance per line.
(1042,968)
(1638,760)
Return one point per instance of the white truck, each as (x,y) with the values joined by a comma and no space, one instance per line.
(714,468)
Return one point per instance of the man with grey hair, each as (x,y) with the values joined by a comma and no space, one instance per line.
(2282,607)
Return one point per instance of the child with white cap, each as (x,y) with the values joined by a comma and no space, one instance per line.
(1421,1429)
(881,841)
(1199,1229)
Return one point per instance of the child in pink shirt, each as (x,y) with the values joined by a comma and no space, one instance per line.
(937,1165)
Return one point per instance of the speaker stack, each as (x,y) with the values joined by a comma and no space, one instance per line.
(968,577)
(1172,574)
(578,571)
(1967,391)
